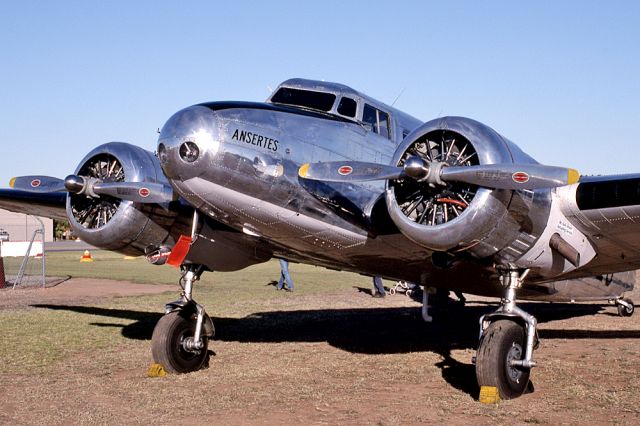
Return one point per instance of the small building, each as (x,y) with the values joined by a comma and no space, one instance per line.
(20,227)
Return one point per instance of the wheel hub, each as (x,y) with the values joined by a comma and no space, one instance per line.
(515,354)
(189,345)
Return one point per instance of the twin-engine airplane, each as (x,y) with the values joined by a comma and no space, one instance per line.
(325,175)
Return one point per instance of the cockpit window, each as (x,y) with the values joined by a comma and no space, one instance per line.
(377,120)
(304,98)
(347,107)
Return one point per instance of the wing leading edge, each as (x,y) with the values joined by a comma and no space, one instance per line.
(52,205)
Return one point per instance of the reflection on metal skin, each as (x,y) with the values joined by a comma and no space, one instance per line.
(188,142)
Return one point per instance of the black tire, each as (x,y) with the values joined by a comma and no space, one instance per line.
(623,311)
(167,348)
(503,341)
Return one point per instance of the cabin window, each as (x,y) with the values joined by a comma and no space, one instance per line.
(347,107)
(304,98)
(377,120)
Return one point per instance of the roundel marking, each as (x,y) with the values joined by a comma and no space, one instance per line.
(36,183)
(345,170)
(144,192)
(520,177)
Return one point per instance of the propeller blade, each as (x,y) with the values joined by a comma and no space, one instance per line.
(348,171)
(511,176)
(138,192)
(37,184)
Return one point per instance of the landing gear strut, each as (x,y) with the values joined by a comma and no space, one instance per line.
(181,337)
(508,337)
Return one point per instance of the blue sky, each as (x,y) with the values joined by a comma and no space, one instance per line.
(558,78)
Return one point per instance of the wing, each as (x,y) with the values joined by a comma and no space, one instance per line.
(607,210)
(51,205)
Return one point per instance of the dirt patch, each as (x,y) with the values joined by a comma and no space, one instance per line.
(77,290)
(338,358)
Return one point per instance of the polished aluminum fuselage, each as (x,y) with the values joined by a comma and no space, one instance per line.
(246,177)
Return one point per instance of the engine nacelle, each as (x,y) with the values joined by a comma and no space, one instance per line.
(456,216)
(115,224)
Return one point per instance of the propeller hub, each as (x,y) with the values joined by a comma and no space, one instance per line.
(416,168)
(74,184)
(424,171)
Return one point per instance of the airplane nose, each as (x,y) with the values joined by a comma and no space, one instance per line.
(186,140)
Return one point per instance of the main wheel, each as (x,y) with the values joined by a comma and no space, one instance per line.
(167,344)
(503,341)
(623,311)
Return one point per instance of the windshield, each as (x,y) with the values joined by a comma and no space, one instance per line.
(304,98)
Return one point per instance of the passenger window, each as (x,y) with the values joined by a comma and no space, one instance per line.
(347,107)
(377,121)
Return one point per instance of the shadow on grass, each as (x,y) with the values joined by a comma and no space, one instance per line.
(368,331)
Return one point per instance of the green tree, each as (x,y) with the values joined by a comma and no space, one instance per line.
(60,227)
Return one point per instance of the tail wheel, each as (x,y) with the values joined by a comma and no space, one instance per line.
(94,213)
(429,205)
(502,342)
(626,311)
(167,344)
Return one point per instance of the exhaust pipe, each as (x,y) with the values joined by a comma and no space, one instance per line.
(566,250)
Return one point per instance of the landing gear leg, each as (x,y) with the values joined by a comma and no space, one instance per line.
(425,304)
(181,337)
(508,337)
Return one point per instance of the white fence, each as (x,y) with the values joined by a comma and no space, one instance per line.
(24,249)
(19,248)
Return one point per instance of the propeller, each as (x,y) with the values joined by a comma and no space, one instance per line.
(37,183)
(138,192)
(495,176)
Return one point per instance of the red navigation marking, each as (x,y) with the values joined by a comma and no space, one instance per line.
(520,177)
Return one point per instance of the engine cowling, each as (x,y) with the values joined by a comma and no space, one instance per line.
(115,224)
(455,216)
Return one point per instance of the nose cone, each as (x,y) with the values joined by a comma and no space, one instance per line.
(187,142)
